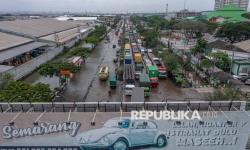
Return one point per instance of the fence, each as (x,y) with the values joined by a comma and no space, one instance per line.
(125,106)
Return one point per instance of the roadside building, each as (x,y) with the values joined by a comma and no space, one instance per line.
(233,51)
(241,67)
(26,44)
(221,3)
(186,14)
(16,51)
(229,13)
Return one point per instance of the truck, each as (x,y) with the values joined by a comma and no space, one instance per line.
(144,80)
(153,76)
(129,74)
(160,65)
(112,81)
(127,59)
(138,70)
(152,71)
(137,57)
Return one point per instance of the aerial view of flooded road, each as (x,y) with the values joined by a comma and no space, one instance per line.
(86,86)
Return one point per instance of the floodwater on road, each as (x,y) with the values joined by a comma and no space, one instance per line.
(86,86)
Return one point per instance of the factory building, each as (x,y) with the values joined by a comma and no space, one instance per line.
(26,44)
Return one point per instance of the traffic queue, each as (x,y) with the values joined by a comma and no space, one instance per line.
(141,68)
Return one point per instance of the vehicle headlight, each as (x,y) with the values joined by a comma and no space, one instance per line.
(104,140)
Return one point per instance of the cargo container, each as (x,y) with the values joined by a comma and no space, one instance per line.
(127,46)
(128,59)
(152,72)
(129,74)
(112,80)
(144,80)
(137,58)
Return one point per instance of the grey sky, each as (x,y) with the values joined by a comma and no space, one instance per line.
(103,5)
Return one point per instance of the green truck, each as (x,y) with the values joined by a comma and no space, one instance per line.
(152,71)
(112,81)
(145,83)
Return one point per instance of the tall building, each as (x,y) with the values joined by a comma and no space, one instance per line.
(221,3)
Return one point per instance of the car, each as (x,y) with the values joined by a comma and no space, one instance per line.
(240,76)
(149,50)
(122,134)
(129,89)
(246,80)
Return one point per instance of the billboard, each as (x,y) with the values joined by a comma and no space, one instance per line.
(118,131)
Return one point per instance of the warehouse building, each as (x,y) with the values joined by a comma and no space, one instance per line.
(26,44)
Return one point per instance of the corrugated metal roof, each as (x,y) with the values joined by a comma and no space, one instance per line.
(4,68)
(37,27)
(229,12)
(10,53)
(8,41)
(245,45)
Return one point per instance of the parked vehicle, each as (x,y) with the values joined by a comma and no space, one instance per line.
(159,64)
(122,134)
(129,89)
(240,76)
(154,82)
(104,73)
(112,81)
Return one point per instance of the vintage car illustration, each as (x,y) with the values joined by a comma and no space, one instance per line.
(122,134)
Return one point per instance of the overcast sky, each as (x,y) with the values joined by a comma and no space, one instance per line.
(103,5)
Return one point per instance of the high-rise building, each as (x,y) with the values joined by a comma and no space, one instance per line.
(221,3)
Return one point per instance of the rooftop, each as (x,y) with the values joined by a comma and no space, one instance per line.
(245,45)
(8,41)
(229,12)
(222,45)
(36,27)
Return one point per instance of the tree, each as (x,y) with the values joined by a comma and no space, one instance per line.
(200,47)
(205,63)
(191,27)
(5,79)
(234,31)
(18,91)
(53,68)
(79,51)
(221,59)
(151,38)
